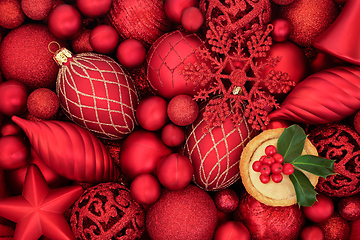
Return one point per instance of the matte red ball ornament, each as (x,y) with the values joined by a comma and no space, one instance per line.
(281,31)
(93,8)
(10,128)
(96,93)
(151,113)
(311,232)
(131,53)
(335,228)
(182,110)
(43,103)
(36,9)
(14,152)
(104,39)
(192,19)
(175,8)
(321,210)
(175,171)
(141,152)
(349,208)
(232,230)
(145,189)
(278,124)
(172,135)
(13,96)
(65,21)
(12,16)
(226,200)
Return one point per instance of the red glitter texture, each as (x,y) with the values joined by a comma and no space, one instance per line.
(349,208)
(335,228)
(36,9)
(43,103)
(11,15)
(186,214)
(340,143)
(226,200)
(182,110)
(81,43)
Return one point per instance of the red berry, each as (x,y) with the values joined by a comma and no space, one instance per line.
(268,160)
(257,166)
(264,178)
(262,158)
(276,168)
(265,169)
(270,150)
(278,157)
(288,169)
(277,177)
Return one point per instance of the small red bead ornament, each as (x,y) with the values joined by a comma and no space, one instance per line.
(131,53)
(104,39)
(322,210)
(151,113)
(145,189)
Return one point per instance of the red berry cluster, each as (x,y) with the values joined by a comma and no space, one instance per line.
(271,164)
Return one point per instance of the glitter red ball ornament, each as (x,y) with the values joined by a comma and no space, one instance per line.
(175,171)
(93,8)
(172,135)
(12,16)
(81,43)
(43,103)
(64,21)
(104,39)
(145,189)
(14,152)
(151,113)
(321,210)
(107,211)
(192,19)
(282,29)
(311,232)
(182,110)
(188,214)
(226,200)
(36,9)
(335,228)
(13,95)
(349,208)
(141,152)
(232,230)
(131,53)
(175,8)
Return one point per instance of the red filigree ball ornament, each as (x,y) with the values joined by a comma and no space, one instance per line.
(321,210)
(175,8)
(141,152)
(131,53)
(36,9)
(182,110)
(13,96)
(12,16)
(93,8)
(267,222)
(145,189)
(341,143)
(172,135)
(175,171)
(226,200)
(312,232)
(335,228)
(282,30)
(145,20)
(151,113)
(14,152)
(107,211)
(349,208)
(166,57)
(188,213)
(215,153)
(81,43)
(96,93)
(232,230)
(43,103)
(64,21)
(104,39)
(192,19)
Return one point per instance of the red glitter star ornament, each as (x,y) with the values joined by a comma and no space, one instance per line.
(39,210)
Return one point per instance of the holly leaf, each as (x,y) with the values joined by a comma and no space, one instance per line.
(319,166)
(291,143)
(305,192)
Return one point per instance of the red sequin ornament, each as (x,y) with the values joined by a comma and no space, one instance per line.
(335,228)
(349,208)
(226,200)
(12,16)
(107,211)
(43,103)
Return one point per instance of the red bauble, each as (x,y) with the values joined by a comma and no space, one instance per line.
(175,8)
(104,39)
(93,8)
(36,9)
(182,110)
(13,95)
(65,21)
(267,222)
(81,43)
(107,211)
(145,20)
(226,200)
(43,103)
(321,210)
(10,128)
(141,152)
(14,152)
(145,189)
(172,135)
(232,230)
(335,228)
(349,208)
(188,214)
(166,57)
(282,30)
(311,233)
(25,56)
(354,230)
(192,19)
(12,16)
(175,171)
(151,113)
(131,53)
(278,124)
(96,93)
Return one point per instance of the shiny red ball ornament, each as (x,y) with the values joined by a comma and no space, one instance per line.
(43,103)
(13,96)
(145,189)
(175,8)
(232,230)
(321,210)
(65,21)
(141,152)
(175,171)
(151,113)
(12,16)
(10,128)
(14,152)
(131,53)
(172,135)
(335,228)
(282,30)
(104,39)
(192,19)
(93,8)
(349,208)
(182,110)
(226,200)
(36,9)
(312,232)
